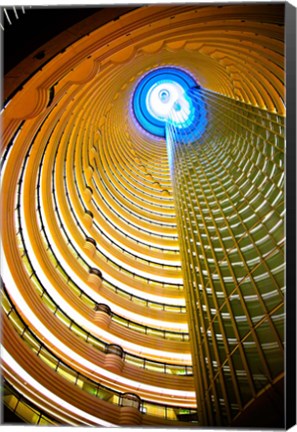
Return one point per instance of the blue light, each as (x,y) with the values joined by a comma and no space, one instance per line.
(163,97)
(189,128)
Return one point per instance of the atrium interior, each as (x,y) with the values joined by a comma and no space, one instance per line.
(143,205)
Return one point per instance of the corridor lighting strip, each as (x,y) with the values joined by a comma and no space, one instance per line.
(16,294)
(27,378)
(95,295)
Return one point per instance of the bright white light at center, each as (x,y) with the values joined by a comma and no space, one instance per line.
(162,98)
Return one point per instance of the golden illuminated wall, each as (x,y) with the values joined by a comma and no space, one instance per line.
(93,296)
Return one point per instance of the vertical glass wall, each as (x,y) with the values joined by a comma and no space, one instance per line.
(228,181)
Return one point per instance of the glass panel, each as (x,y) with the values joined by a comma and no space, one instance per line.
(139,301)
(44,421)
(67,373)
(59,314)
(26,412)
(119,320)
(88,301)
(155,410)
(49,302)
(123,294)
(156,306)
(134,360)
(175,336)
(154,332)
(256,366)
(31,341)
(136,327)
(11,401)
(176,370)
(104,394)
(62,273)
(170,413)
(278,319)
(5,304)
(19,326)
(48,358)
(96,343)
(90,387)
(74,287)
(80,383)
(27,264)
(273,352)
(175,309)
(79,331)
(37,284)
(242,378)
(115,399)
(154,366)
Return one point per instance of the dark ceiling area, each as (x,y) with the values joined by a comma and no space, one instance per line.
(34,28)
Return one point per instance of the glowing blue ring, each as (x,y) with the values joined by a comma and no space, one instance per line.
(165,74)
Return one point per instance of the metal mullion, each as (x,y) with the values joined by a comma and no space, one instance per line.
(216,105)
(204,371)
(206,340)
(15,12)
(243,302)
(254,285)
(258,324)
(242,237)
(250,273)
(260,194)
(206,303)
(202,375)
(245,139)
(254,186)
(234,378)
(224,115)
(266,316)
(7,16)
(262,320)
(225,339)
(243,224)
(277,247)
(236,288)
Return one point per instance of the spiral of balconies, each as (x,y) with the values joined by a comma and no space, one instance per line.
(95,319)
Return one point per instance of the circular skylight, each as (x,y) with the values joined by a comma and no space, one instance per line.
(161,96)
